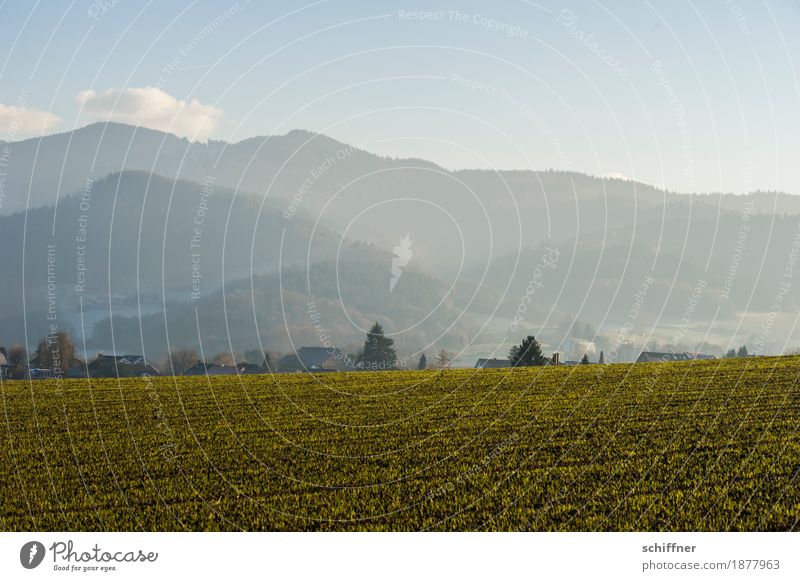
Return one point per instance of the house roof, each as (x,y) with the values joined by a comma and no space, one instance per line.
(492,363)
(130,359)
(137,360)
(655,357)
(247,367)
(315,357)
(3,356)
(202,368)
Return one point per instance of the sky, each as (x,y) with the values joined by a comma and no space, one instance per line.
(690,96)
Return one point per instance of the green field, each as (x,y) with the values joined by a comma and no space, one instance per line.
(710,445)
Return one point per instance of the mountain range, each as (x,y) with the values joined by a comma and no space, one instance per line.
(139,239)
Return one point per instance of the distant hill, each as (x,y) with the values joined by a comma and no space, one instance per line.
(473,237)
(43,169)
(332,303)
(139,238)
(471,213)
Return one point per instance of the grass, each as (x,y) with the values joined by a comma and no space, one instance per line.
(710,445)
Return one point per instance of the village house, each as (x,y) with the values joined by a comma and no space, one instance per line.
(5,366)
(313,359)
(493,363)
(120,366)
(203,368)
(32,373)
(656,357)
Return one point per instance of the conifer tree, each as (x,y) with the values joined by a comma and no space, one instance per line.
(378,351)
(528,353)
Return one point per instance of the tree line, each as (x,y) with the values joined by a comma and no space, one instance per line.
(57,353)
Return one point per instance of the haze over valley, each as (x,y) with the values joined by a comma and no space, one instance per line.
(146,240)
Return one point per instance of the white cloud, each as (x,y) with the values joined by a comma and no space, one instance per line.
(151,107)
(19,122)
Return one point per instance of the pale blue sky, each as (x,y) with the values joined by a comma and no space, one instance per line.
(720,112)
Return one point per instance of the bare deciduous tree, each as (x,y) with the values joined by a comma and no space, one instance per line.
(443,359)
(181,359)
(224,358)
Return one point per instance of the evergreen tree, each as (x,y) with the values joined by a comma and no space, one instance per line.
(742,352)
(730,354)
(528,353)
(602,360)
(423,362)
(378,351)
(585,359)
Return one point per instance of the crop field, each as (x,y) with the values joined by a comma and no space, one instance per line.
(711,445)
